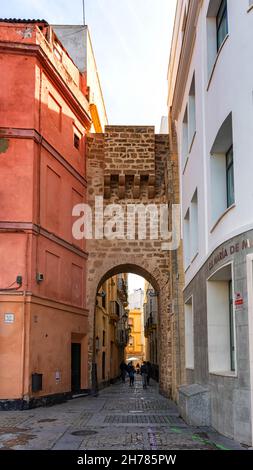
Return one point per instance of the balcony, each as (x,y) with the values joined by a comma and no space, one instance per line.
(122,291)
(114,310)
(149,326)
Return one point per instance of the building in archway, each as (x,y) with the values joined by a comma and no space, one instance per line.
(135,350)
(111,328)
(150,308)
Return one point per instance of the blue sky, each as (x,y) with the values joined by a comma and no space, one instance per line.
(131,40)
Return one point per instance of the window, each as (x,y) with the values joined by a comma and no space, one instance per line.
(185,138)
(222,23)
(191,228)
(194,239)
(131,341)
(103,365)
(192,113)
(187,240)
(76,141)
(230,177)
(217,30)
(222,171)
(189,124)
(103,299)
(189,335)
(221,322)
(103,337)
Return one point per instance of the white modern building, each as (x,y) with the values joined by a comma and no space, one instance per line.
(211,101)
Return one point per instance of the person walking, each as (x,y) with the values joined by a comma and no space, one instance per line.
(144,374)
(123,369)
(131,372)
(149,368)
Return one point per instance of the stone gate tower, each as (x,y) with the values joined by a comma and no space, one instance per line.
(132,165)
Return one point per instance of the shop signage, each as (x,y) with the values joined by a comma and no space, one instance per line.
(230,250)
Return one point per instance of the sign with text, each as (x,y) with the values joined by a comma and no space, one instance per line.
(9,318)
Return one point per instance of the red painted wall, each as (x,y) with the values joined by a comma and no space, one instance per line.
(42,175)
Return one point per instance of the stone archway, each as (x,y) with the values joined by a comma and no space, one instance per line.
(130,165)
(148,269)
(114,270)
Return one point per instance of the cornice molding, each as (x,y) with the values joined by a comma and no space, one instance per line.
(34,50)
(185,56)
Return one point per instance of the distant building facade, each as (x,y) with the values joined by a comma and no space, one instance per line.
(150,310)
(111,328)
(135,299)
(210,103)
(135,350)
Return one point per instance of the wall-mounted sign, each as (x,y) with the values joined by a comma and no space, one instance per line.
(229,250)
(9,318)
(238,300)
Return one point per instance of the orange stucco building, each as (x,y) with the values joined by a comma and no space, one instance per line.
(44,117)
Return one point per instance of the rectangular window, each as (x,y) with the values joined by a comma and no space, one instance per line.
(103,338)
(189,335)
(104,300)
(222,23)
(230,177)
(76,141)
(194,226)
(187,240)
(222,171)
(221,322)
(191,114)
(185,146)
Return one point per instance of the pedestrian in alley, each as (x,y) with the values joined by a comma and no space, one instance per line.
(131,372)
(144,374)
(149,368)
(123,369)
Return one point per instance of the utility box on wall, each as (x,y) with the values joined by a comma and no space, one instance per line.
(36,382)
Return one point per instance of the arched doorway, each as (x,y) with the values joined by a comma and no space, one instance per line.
(125,327)
(160,285)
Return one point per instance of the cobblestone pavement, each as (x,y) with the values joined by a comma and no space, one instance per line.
(121,418)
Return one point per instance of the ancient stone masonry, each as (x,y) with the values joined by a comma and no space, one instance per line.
(129,165)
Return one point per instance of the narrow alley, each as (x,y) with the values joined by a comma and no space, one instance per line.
(119,418)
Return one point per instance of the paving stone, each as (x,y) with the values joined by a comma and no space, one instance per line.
(119,418)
